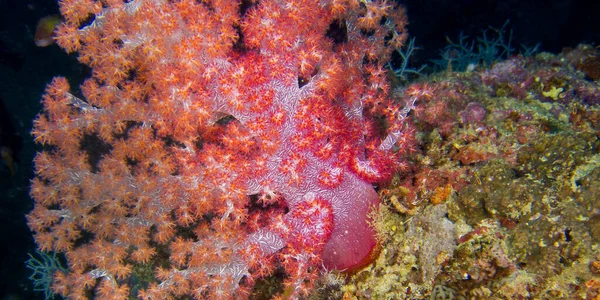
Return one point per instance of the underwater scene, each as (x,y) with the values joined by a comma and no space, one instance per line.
(296,149)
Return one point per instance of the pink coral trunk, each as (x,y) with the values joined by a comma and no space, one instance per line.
(353,242)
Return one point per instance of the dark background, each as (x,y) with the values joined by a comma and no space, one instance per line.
(554,24)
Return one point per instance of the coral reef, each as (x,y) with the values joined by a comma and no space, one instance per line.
(240,149)
(519,143)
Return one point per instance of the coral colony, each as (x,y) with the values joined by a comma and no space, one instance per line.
(215,143)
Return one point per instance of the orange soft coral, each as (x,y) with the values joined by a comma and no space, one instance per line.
(218,140)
